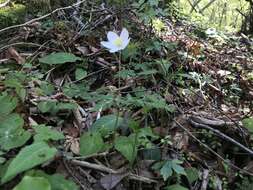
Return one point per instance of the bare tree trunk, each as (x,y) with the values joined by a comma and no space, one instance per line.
(194,5)
(208,5)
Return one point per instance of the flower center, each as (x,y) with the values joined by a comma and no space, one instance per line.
(118,42)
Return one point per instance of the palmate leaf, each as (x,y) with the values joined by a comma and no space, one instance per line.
(59,58)
(45,133)
(27,158)
(166,170)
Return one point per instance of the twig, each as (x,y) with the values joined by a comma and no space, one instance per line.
(215,123)
(205,179)
(109,170)
(211,150)
(224,136)
(42,17)
(75,13)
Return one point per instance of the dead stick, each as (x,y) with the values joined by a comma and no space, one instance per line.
(211,150)
(224,136)
(109,170)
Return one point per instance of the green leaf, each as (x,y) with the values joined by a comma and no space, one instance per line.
(176,187)
(80,73)
(91,143)
(46,106)
(57,181)
(248,123)
(32,183)
(177,168)
(7,105)
(27,158)
(12,134)
(192,174)
(127,146)
(54,107)
(59,58)
(2,160)
(107,124)
(47,88)
(14,139)
(66,106)
(21,93)
(10,124)
(45,133)
(166,170)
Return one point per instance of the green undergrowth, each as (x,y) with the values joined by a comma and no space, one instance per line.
(124,105)
(11,15)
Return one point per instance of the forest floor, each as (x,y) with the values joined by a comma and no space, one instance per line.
(182,109)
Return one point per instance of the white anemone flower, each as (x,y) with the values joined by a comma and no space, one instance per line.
(116,42)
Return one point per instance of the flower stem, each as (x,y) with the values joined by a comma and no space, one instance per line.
(119,62)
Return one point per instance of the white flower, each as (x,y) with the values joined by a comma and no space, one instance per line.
(115,42)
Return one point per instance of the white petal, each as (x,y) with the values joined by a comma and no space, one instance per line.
(125,43)
(124,35)
(115,49)
(106,44)
(111,36)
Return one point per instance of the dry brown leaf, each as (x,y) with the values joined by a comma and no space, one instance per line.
(12,53)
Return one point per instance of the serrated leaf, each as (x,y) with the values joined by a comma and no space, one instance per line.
(192,174)
(27,158)
(80,73)
(47,88)
(106,124)
(59,58)
(32,183)
(166,170)
(248,123)
(46,106)
(91,143)
(177,168)
(127,146)
(45,133)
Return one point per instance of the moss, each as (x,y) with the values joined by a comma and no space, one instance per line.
(14,14)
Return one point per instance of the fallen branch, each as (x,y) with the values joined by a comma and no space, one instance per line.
(215,123)
(211,150)
(224,136)
(109,170)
